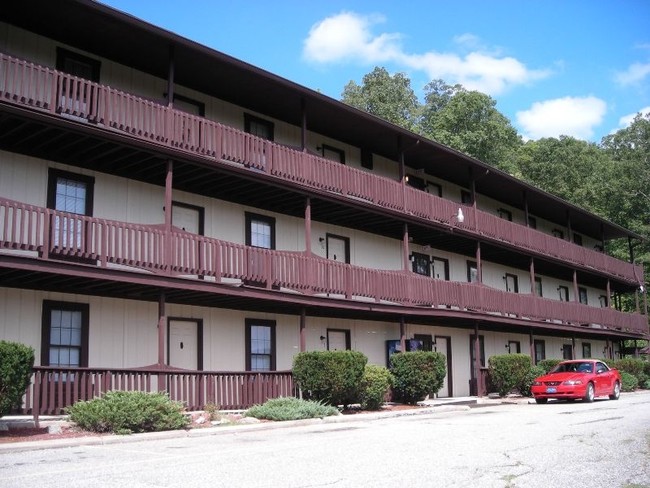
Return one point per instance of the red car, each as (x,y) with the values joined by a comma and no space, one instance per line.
(580,378)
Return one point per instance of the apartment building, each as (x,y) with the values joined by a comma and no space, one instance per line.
(172,217)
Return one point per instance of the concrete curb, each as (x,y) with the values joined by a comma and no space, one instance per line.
(109,439)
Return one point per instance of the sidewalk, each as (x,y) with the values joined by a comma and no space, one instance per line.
(53,423)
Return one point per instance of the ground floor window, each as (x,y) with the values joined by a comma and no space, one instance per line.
(260,345)
(64,340)
(540,350)
(586,350)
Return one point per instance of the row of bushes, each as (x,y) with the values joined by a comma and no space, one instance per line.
(510,372)
(345,378)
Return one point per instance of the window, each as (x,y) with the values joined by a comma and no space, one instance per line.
(333,153)
(540,350)
(70,193)
(505,214)
(260,345)
(582,294)
(577,239)
(466,197)
(532,222)
(558,233)
(338,340)
(512,283)
(64,340)
(586,350)
(567,351)
(602,300)
(189,105)
(440,268)
(434,189)
(472,272)
(77,64)
(366,159)
(416,182)
(421,264)
(538,287)
(258,127)
(260,231)
(564,293)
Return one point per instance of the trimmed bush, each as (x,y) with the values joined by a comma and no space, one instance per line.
(127,412)
(375,384)
(289,408)
(630,383)
(533,372)
(16,363)
(508,371)
(332,377)
(633,366)
(549,364)
(417,374)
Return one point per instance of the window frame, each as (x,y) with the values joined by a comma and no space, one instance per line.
(565,289)
(52,176)
(366,159)
(515,280)
(538,283)
(504,214)
(602,300)
(466,197)
(558,233)
(472,265)
(250,217)
(532,222)
(332,149)
(430,185)
(582,293)
(46,325)
(416,257)
(577,239)
(62,54)
(586,347)
(271,324)
(539,345)
(249,118)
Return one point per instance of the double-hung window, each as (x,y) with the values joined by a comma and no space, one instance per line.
(64,340)
(260,345)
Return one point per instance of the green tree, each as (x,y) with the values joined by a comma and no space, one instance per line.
(469,122)
(388,97)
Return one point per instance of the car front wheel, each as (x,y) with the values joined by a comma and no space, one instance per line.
(589,395)
(616,394)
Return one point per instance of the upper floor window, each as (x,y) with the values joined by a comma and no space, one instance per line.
(582,294)
(538,286)
(577,239)
(532,222)
(440,268)
(472,272)
(466,197)
(260,231)
(421,264)
(434,189)
(564,293)
(602,300)
(505,214)
(260,345)
(366,159)
(189,105)
(77,64)
(64,340)
(558,233)
(258,127)
(333,153)
(512,283)
(416,182)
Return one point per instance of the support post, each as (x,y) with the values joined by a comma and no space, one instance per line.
(531,341)
(532,276)
(405,242)
(402,334)
(479,272)
(477,361)
(308,225)
(162,325)
(303,331)
(168,216)
(573,347)
(575,286)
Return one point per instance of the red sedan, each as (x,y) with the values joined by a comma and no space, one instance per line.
(581,378)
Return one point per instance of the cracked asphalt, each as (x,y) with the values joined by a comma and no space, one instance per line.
(603,444)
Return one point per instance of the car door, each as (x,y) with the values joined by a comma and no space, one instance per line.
(603,380)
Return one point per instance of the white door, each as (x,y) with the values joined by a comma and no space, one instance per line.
(183,348)
(442,346)
(186,218)
(337,249)
(337,340)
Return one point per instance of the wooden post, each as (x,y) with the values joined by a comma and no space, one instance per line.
(402,334)
(479,273)
(532,276)
(573,347)
(162,325)
(576,298)
(168,215)
(532,346)
(303,332)
(308,225)
(405,244)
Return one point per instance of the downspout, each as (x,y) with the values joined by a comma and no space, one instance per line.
(303,332)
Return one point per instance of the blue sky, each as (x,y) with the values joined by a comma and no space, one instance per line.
(580,68)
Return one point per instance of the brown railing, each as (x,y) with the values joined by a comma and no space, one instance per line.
(52,389)
(53,234)
(41,88)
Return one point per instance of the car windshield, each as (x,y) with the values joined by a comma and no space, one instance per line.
(577,367)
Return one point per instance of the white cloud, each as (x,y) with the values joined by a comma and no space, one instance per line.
(626,120)
(635,74)
(571,116)
(348,37)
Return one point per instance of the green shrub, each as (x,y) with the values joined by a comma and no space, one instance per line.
(508,371)
(630,383)
(289,408)
(633,366)
(417,374)
(549,364)
(16,363)
(332,377)
(533,372)
(126,412)
(375,384)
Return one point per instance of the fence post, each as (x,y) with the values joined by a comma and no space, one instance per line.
(36,406)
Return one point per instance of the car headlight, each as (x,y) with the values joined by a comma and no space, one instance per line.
(573,382)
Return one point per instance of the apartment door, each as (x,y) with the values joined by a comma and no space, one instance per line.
(187,217)
(567,351)
(443,345)
(338,248)
(183,350)
(338,339)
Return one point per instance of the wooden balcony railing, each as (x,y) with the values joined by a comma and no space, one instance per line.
(53,234)
(30,85)
(52,389)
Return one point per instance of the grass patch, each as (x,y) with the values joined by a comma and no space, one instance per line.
(289,408)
